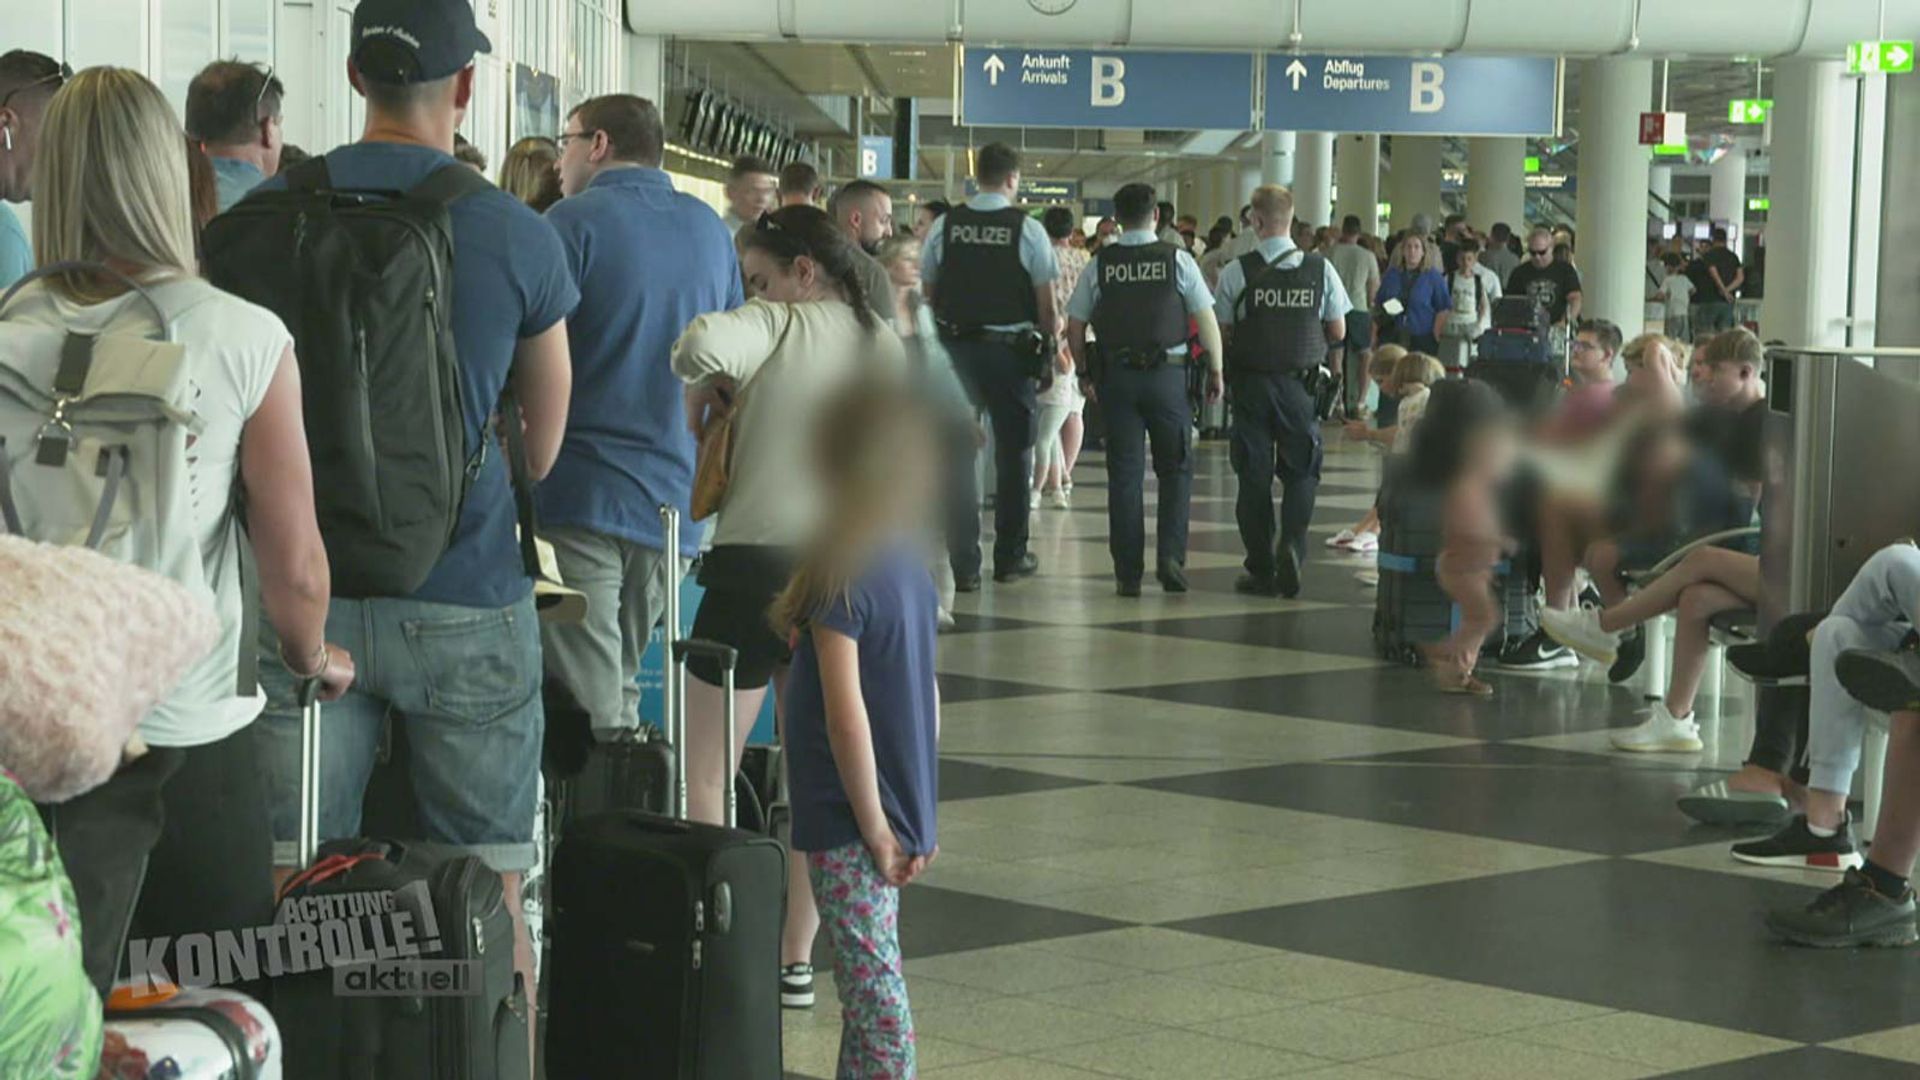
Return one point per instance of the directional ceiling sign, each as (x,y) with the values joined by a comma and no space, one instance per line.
(1399,95)
(1106,88)
(1749,110)
(1879,57)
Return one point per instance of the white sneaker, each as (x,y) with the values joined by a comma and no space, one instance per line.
(1580,631)
(1661,734)
(1033,500)
(1060,501)
(1366,543)
(943,619)
(1341,539)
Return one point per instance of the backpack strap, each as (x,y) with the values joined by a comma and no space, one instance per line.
(449,184)
(511,421)
(310,176)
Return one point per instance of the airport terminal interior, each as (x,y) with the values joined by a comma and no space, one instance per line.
(1257,812)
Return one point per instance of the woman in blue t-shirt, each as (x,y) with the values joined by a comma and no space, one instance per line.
(862,718)
(1413,278)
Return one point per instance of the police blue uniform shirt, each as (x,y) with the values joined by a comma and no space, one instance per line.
(1233,281)
(510,281)
(648,260)
(16,251)
(233,179)
(1193,286)
(1036,250)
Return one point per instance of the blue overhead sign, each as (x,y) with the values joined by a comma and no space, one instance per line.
(1105,88)
(876,157)
(1399,95)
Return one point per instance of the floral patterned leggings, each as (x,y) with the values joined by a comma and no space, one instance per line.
(862,915)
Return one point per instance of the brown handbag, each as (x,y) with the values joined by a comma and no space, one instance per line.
(713,464)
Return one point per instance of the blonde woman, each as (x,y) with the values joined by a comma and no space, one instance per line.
(529,172)
(1413,281)
(112,190)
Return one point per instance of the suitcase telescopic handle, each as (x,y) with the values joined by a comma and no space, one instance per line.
(308,844)
(727,657)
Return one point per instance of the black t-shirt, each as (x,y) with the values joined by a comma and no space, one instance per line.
(1719,258)
(1549,285)
(1738,439)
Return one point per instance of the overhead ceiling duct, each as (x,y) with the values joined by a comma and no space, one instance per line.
(1699,28)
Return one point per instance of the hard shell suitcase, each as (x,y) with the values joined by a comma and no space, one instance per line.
(204,1034)
(456,908)
(666,940)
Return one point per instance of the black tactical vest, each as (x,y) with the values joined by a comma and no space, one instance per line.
(982,281)
(1140,305)
(1277,324)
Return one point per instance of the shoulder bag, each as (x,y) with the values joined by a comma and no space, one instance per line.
(713,465)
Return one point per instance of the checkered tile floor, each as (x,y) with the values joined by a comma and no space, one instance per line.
(1205,836)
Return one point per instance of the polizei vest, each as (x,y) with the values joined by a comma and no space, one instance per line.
(982,280)
(1277,324)
(1140,305)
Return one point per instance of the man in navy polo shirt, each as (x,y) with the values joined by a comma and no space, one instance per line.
(648,260)
(457,664)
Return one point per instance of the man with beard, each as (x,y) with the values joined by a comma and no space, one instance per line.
(864,212)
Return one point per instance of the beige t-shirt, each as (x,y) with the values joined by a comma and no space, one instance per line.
(771,496)
(233,350)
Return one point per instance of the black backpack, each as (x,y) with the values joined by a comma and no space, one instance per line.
(364,282)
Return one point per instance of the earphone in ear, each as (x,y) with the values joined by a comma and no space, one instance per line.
(7,133)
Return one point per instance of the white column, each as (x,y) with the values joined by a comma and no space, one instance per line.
(1612,244)
(1227,196)
(1358,163)
(1660,191)
(1276,158)
(1252,175)
(1414,184)
(1313,178)
(1727,191)
(1809,221)
(1496,182)
(644,72)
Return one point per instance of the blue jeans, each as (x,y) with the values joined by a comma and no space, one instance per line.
(464,681)
(1875,612)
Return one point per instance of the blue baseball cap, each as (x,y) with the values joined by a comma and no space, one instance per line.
(399,42)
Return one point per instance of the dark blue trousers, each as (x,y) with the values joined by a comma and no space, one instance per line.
(1147,406)
(1275,434)
(998,379)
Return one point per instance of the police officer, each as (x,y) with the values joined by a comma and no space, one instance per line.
(988,269)
(1281,308)
(1138,294)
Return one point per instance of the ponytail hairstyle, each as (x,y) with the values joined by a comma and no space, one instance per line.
(874,458)
(791,232)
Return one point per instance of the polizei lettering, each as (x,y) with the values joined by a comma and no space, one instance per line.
(1283,298)
(990,235)
(1130,273)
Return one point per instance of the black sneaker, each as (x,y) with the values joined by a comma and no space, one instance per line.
(796,986)
(1796,846)
(1885,680)
(1786,654)
(1849,915)
(1590,598)
(967,584)
(1173,578)
(1028,566)
(1537,652)
(1633,653)
(1249,585)
(1286,571)
(1128,589)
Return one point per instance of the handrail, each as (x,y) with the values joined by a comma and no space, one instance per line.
(1688,548)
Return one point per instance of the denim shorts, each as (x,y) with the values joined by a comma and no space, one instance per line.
(465,684)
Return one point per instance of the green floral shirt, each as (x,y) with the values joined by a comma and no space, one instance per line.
(50,1015)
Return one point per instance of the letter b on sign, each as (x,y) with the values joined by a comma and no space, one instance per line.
(1108,89)
(1428,97)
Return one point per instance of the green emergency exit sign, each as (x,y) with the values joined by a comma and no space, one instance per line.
(1749,110)
(1533,163)
(1880,58)
(1759,202)
(1670,150)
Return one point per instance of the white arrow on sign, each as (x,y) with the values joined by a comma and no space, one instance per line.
(994,66)
(1896,56)
(1296,71)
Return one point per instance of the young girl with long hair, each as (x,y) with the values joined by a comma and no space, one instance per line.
(863,708)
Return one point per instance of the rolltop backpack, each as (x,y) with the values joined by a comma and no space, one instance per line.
(364,282)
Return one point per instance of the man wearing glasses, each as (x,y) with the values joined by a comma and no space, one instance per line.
(1553,285)
(27,81)
(233,111)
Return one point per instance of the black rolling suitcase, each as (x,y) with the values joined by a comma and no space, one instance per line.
(479,1034)
(666,935)
(1410,607)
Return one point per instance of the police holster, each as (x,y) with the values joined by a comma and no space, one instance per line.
(1138,359)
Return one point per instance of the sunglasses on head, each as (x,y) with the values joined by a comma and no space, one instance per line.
(56,79)
(265,85)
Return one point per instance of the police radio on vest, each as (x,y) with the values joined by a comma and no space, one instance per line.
(1283,298)
(1119,273)
(996,235)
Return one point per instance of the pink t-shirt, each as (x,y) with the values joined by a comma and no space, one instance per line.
(1584,410)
